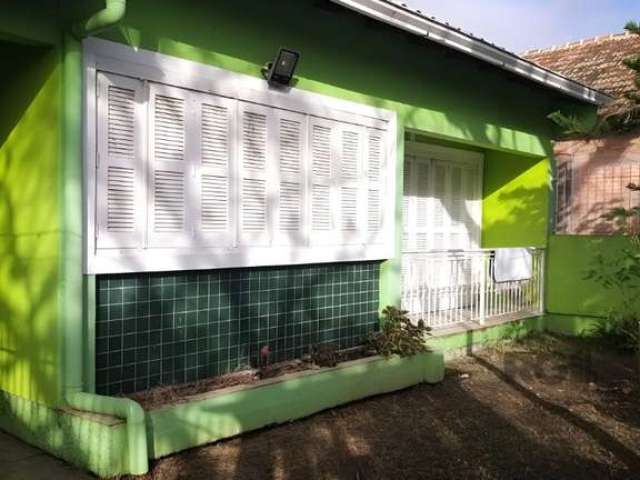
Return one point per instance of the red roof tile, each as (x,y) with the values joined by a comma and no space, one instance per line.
(596,62)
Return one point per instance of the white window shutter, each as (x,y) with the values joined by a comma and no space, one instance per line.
(256,131)
(422,205)
(351,184)
(289,208)
(120,141)
(322,165)
(376,165)
(213,212)
(407,204)
(440,219)
(169,159)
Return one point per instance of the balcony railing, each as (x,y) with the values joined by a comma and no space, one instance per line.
(457,287)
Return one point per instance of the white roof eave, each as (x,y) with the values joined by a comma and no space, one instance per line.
(417,24)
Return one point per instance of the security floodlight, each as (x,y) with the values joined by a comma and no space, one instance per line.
(281,70)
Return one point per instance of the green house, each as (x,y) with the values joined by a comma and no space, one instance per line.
(167,212)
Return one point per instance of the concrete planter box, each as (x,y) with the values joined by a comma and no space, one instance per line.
(231,411)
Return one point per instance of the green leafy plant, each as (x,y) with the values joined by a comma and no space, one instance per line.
(619,272)
(325,355)
(398,335)
(624,117)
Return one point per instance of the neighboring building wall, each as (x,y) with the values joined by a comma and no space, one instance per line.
(591,181)
(516,200)
(29,223)
(592,176)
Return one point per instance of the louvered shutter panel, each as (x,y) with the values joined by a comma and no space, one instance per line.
(256,131)
(472,184)
(440,219)
(376,164)
(289,217)
(169,219)
(322,135)
(350,182)
(120,188)
(422,205)
(215,150)
(442,205)
(407,211)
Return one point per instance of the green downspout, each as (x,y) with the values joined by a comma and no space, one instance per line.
(71,277)
(109,16)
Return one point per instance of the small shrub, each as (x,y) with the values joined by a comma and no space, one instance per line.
(399,335)
(620,330)
(325,355)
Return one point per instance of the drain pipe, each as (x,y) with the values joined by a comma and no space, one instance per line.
(71,276)
(109,16)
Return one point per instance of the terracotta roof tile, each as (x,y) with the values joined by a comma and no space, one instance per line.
(596,62)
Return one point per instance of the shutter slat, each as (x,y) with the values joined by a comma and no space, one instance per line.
(169,201)
(290,146)
(349,209)
(121,206)
(121,122)
(119,140)
(215,135)
(254,196)
(321,150)
(290,201)
(290,206)
(322,209)
(321,214)
(254,138)
(215,203)
(169,128)
(350,157)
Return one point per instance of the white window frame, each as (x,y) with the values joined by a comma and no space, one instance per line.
(451,155)
(114,58)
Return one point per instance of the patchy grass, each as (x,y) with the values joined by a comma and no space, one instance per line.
(541,408)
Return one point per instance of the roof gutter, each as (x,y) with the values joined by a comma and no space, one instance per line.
(415,23)
(110,15)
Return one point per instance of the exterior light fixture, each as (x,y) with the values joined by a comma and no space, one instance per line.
(281,70)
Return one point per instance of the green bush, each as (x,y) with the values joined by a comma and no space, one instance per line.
(398,335)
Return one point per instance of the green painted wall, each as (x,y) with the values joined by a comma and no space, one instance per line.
(29,223)
(433,90)
(516,193)
(94,442)
(567,291)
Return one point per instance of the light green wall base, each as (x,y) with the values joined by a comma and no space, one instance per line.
(574,325)
(569,257)
(98,443)
(93,442)
(222,415)
(490,334)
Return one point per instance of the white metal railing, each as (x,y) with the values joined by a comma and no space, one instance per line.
(450,287)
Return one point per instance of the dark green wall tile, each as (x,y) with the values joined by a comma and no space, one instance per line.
(175,327)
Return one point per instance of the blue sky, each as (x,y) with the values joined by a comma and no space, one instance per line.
(520,25)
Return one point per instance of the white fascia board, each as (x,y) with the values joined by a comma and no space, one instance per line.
(418,25)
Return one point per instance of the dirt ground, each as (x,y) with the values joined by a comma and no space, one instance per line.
(546,408)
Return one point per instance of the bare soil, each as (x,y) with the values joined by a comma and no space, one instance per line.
(546,408)
(175,394)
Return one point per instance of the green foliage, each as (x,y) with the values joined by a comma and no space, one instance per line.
(399,335)
(619,272)
(632,27)
(325,355)
(624,119)
(621,330)
(573,126)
